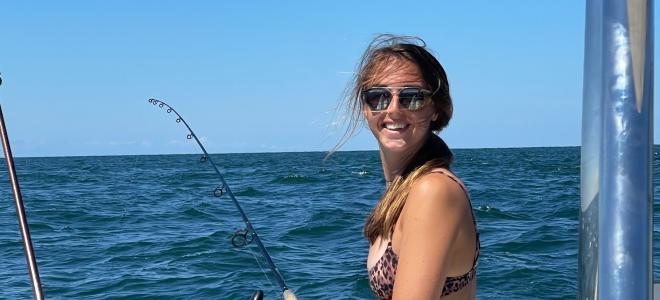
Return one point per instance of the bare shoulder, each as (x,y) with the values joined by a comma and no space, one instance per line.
(435,199)
(436,190)
(430,225)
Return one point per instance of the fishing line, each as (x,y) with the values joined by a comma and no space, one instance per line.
(270,282)
(241,237)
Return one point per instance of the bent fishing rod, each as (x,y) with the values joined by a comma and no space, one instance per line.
(20,212)
(241,237)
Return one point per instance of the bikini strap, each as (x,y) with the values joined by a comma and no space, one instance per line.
(474,220)
(453,177)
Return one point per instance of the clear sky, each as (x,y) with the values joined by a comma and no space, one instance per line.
(267,77)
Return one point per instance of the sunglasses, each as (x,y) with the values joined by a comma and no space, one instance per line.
(410,98)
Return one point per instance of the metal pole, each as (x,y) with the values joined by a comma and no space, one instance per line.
(592,130)
(20,211)
(626,195)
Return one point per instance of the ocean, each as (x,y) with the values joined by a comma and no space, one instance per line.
(149,227)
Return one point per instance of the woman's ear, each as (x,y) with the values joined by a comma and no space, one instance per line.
(435,117)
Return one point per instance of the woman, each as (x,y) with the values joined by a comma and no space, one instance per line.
(422,233)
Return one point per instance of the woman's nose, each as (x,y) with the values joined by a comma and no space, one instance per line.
(394,104)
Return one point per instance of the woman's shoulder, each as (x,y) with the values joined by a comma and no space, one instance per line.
(439,181)
(439,191)
(433,214)
(449,174)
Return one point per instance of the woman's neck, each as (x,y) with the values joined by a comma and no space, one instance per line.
(395,163)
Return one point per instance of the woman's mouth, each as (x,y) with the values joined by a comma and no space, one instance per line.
(395,126)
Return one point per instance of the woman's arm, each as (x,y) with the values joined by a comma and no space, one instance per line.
(430,223)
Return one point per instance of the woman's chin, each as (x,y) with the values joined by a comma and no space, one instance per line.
(393,145)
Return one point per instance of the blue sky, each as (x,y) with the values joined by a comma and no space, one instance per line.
(267,77)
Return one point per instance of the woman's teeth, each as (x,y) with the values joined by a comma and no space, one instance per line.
(395,126)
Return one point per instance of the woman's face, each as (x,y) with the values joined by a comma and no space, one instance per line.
(397,129)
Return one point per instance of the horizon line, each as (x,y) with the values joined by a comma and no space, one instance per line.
(276,152)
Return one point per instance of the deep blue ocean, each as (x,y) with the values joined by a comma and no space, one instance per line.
(149,227)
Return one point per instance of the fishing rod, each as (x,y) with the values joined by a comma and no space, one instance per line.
(20,212)
(241,237)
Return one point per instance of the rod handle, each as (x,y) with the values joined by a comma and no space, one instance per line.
(289,295)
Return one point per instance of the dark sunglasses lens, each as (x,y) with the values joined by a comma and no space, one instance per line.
(412,98)
(377,99)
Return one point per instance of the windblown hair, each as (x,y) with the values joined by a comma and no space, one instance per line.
(384,52)
(434,154)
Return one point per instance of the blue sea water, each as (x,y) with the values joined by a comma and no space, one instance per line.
(149,227)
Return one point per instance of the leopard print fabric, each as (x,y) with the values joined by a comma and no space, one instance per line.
(383,273)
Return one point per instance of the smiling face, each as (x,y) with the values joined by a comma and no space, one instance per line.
(397,129)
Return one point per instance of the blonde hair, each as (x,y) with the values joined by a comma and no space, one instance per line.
(434,154)
(383,52)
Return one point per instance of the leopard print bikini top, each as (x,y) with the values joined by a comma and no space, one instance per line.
(383,273)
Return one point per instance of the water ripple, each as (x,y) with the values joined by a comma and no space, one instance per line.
(149,227)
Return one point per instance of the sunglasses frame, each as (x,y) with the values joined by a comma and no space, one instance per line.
(390,89)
